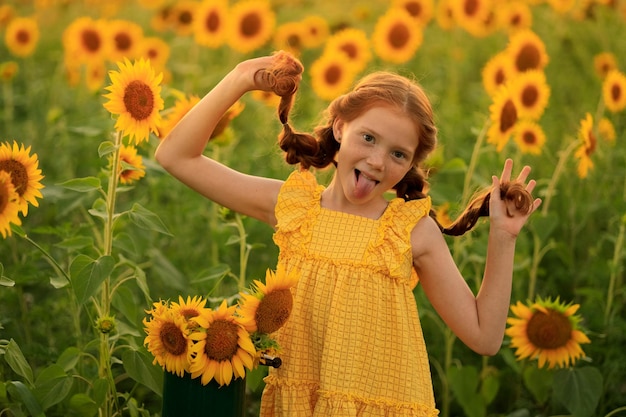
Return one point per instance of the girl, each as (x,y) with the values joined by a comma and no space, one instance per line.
(353,345)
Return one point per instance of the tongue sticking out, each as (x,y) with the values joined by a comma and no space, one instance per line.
(363,185)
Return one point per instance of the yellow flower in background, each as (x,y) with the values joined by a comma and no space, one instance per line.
(135,97)
(268,307)
(25,174)
(156,50)
(85,40)
(529,137)
(475,16)
(531,91)
(330,76)
(268,98)
(603,63)
(223,349)
(513,16)
(8,70)
(504,115)
(126,39)
(547,331)
(210,23)
(251,25)
(181,107)
(95,75)
(182,16)
(352,42)
(21,36)
(614,91)
(496,72)
(167,339)
(224,122)
(562,6)
(396,37)
(289,37)
(188,308)
(131,165)
(587,146)
(444,14)
(7,13)
(420,10)
(316,31)
(606,130)
(527,51)
(9,207)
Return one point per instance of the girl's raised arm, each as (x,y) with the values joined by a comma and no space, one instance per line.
(181,152)
(479,321)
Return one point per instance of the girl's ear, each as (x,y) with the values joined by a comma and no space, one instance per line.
(337,128)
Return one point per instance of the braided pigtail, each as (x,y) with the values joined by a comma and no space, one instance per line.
(513,192)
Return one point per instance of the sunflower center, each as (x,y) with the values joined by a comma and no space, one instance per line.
(172,339)
(332,75)
(508,116)
(23,37)
(274,310)
(222,340)
(19,175)
(294,41)
(350,50)
(188,313)
(91,40)
(414,8)
(528,58)
(399,36)
(549,331)
(471,7)
(529,137)
(616,93)
(250,25)
(591,144)
(212,22)
(530,96)
(123,42)
(499,77)
(138,100)
(185,18)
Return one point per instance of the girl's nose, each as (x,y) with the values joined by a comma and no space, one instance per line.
(376,159)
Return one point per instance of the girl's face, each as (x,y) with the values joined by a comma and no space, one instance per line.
(377,150)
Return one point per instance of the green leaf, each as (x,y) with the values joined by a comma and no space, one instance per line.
(578,389)
(21,392)
(99,209)
(100,389)
(76,243)
(16,360)
(88,274)
(82,185)
(6,281)
(58,281)
(83,405)
(539,382)
(146,219)
(107,147)
(464,384)
(52,386)
(140,368)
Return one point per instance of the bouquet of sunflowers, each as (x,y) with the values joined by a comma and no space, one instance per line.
(220,344)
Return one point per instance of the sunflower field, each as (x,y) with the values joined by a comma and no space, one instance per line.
(94,233)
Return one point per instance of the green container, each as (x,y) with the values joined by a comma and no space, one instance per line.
(187,397)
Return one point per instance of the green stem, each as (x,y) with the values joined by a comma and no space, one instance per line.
(446,397)
(473,161)
(564,155)
(615,269)
(7,90)
(538,254)
(614,412)
(48,257)
(243,251)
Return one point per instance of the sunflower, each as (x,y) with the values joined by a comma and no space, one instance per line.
(251,25)
(268,307)
(210,23)
(25,174)
(354,44)
(531,92)
(614,91)
(167,339)
(529,137)
(22,36)
(316,31)
(182,17)
(154,49)
(475,16)
(7,13)
(223,124)
(496,72)
(330,77)
(131,165)
(125,39)
(86,40)
(9,207)
(603,63)
(444,14)
(527,51)
(514,16)
(268,98)
(8,70)
(562,6)
(189,308)
(289,37)
(95,74)
(547,331)
(587,147)
(504,115)
(421,10)
(606,130)
(181,107)
(135,96)
(222,349)
(396,37)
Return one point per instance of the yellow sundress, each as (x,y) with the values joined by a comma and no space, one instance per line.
(353,345)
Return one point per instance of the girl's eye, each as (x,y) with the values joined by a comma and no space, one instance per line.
(368,138)
(398,154)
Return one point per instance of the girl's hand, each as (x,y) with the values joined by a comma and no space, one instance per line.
(504,214)
(279,73)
